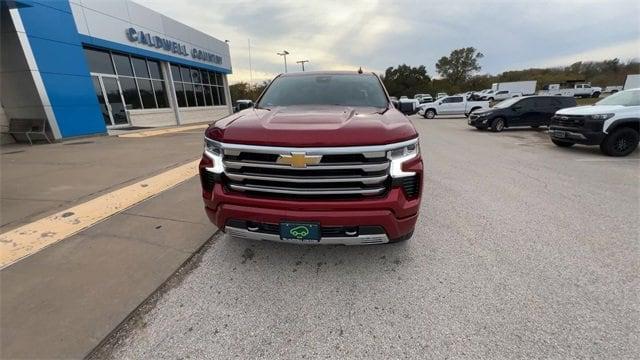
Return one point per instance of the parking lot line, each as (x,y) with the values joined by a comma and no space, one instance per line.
(33,237)
(156,132)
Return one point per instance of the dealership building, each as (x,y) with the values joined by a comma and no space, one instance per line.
(85,67)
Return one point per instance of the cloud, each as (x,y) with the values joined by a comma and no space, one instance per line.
(376,34)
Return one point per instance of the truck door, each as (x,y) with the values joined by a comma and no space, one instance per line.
(452,105)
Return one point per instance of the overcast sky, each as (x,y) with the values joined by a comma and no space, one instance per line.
(347,34)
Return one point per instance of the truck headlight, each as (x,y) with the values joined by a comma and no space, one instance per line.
(214,151)
(601,116)
(401,155)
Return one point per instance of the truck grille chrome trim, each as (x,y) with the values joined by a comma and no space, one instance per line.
(347,240)
(307,191)
(308,179)
(345,172)
(366,167)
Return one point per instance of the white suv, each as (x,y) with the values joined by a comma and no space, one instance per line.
(613,123)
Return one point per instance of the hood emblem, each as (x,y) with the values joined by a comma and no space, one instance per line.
(299,159)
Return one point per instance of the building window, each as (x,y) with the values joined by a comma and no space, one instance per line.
(197,87)
(140,79)
(99,61)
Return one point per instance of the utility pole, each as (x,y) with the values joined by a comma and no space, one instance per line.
(284,53)
(250,71)
(301,62)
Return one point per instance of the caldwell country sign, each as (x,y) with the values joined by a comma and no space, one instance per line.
(169,45)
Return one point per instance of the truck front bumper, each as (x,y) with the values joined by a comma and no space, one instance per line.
(576,135)
(254,217)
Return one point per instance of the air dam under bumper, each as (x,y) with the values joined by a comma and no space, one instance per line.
(395,213)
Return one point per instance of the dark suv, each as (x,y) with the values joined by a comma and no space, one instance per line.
(531,111)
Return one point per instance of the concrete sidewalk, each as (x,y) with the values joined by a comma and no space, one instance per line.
(63,300)
(38,180)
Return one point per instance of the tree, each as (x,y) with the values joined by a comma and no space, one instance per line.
(406,80)
(242,91)
(460,65)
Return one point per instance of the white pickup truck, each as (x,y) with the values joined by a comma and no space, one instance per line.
(578,90)
(451,105)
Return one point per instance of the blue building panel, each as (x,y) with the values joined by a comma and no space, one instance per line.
(58,52)
(83,120)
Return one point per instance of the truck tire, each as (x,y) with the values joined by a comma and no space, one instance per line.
(595,95)
(429,114)
(620,142)
(562,143)
(497,125)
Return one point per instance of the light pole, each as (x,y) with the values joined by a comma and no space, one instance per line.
(284,53)
(301,62)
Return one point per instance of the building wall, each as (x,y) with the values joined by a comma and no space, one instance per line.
(59,62)
(18,94)
(105,23)
(207,114)
(45,74)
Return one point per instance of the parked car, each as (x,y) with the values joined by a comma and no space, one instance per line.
(533,111)
(324,158)
(612,89)
(612,123)
(632,81)
(451,105)
(584,90)
(408,106)
(425,99)
(440,95)
(242,104)
(501,95)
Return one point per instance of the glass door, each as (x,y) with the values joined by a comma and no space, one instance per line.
(110,100)
(97,87)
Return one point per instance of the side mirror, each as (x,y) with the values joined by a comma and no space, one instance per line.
(439,102)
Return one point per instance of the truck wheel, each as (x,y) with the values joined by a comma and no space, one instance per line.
(497,125)
(430,114)
(562,143)
(620,142)
(595,95)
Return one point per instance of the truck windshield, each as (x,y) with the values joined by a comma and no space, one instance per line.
(624,98)
(343,90)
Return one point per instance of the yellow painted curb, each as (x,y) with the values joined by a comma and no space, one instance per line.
(156,132)
(33,237)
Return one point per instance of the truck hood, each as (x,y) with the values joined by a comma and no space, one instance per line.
(589,110)
(307,126)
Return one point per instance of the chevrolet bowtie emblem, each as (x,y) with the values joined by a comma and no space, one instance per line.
(299,159)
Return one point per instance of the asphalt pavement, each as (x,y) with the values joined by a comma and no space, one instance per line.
(522,250)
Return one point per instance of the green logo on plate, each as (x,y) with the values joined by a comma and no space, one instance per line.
(299,231)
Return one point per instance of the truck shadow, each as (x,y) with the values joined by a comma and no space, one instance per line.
(305,260)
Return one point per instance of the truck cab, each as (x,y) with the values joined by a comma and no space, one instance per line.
(451,105)
(612,123)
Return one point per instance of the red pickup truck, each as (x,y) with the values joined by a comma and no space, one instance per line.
(322,158)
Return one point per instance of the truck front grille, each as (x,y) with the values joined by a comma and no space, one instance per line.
(324,172)
(568,120)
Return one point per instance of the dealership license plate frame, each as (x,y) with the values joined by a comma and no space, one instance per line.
(312,233)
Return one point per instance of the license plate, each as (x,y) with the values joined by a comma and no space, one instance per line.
(300,231)
(559,134)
